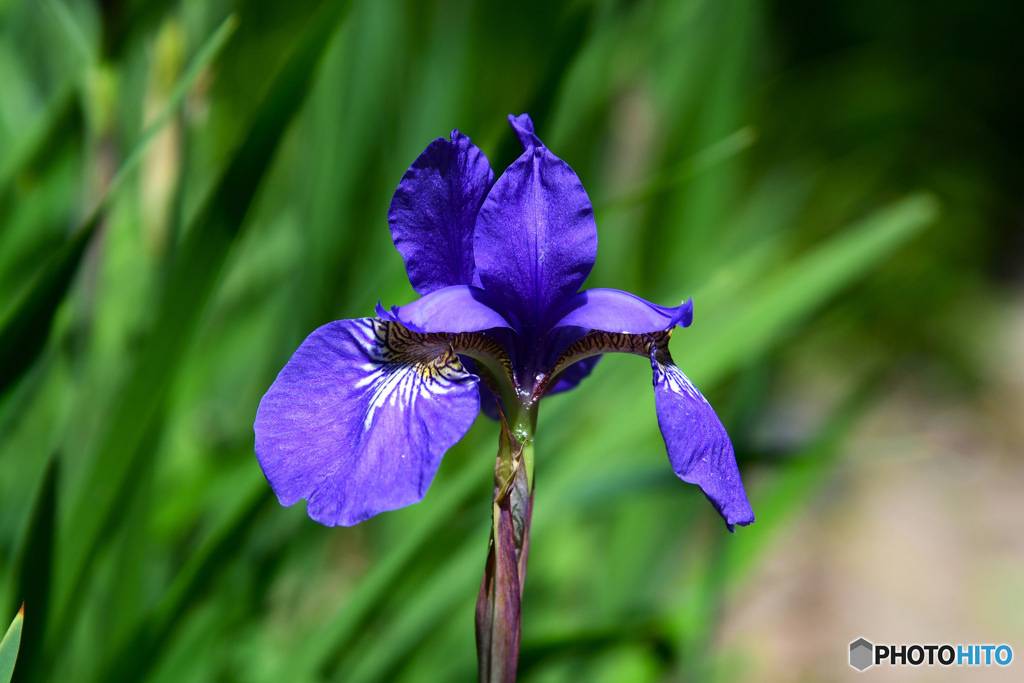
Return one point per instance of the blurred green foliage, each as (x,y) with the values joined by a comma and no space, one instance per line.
(188,188)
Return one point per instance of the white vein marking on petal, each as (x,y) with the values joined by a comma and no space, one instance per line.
(368,379)
(397,379)
(679,383)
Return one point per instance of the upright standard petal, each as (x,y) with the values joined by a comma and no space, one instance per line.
(612,310)
(433,213)
(357,421)
(535,237)
(453,309)
(697,443)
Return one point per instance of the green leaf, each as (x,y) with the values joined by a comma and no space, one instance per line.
(189,284)
(797,289)
(35,567)
(202,61)
(200,573)
(24,329)
(9,647)
(706,159)
(60,119)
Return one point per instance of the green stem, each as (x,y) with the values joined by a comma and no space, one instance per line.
(523,430)
(498,610)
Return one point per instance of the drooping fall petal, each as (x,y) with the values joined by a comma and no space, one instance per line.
(698,446)
(357,421)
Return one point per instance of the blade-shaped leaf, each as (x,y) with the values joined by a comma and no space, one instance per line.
(799,288)
(24,330)
(35,568)
(189,285)
(209,562)
(9,647)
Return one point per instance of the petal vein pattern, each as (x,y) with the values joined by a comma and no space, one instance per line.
(359,418)
(673,379)
(401,369)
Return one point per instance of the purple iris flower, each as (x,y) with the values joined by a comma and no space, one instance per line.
(359,418)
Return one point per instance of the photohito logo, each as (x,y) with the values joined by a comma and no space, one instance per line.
(864,654)
(861,654)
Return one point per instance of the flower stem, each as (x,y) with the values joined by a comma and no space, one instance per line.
(498,609)
(525,426)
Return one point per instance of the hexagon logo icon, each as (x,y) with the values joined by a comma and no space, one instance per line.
(861,654)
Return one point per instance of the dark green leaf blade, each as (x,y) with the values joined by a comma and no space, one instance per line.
(25,328)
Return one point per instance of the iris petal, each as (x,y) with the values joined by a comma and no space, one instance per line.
(535,239)
(612,310)
(573,375)
(697,443)
(357,421)
(568,376)
(698,446)
(522,126)
(433,213)
(453,309)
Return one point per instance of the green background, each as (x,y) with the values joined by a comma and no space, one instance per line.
(188,188)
